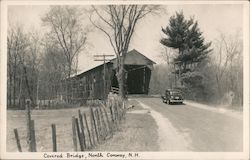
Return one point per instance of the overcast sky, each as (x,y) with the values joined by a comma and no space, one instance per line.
(212,19)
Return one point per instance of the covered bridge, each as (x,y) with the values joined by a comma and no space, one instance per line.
(90,84)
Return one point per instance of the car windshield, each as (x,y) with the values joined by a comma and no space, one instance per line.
(175,93)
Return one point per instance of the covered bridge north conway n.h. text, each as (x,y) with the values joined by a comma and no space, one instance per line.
(90,84)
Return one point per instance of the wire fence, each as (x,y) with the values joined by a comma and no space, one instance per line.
(89,129)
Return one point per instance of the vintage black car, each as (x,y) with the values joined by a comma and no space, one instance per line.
(172,96)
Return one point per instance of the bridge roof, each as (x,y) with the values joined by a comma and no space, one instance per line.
(133,57)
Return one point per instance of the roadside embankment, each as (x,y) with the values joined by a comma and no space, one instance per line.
(218,109)
(137,133)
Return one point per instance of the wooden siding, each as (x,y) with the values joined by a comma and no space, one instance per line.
(90,84)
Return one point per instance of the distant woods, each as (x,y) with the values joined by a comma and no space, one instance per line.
(37,64)
(23,65)
(208,72)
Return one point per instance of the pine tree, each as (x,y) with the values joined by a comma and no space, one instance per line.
(185,36)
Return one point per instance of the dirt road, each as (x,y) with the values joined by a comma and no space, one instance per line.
(191,128)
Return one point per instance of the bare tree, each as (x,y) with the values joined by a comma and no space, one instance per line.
(67,31)
(21,64)
(53,70)
(168,54)
(118,23)
(161,79)
(12,65)
(33,61)
(227,60)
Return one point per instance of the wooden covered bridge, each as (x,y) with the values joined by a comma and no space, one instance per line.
(90,84)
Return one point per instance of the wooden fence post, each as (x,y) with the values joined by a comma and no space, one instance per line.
(95,125)
(117,113)
(92,126)
(108,121)
(74,134)
(53,127)
(111,113)
(79,134)
(114,116)
(17,140)
(123,110)
(88,131)
(104,126)
(120,112)
(98,124)
(33,136)
(82,128)
(28,121)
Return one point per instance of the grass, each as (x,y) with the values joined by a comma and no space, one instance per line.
(137,133)
(43,120)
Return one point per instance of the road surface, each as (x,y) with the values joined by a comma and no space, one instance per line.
(189,128)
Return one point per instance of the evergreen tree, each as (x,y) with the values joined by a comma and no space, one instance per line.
(185,36)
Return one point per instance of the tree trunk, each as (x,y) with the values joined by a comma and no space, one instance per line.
(120,77)
(28,85)
(14,83)
(9,82)
(20,91)
(9,91)
(218,84)
(14,89)
(121,83)
(68,83)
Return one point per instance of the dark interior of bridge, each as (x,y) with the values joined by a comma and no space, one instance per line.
(137,79)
